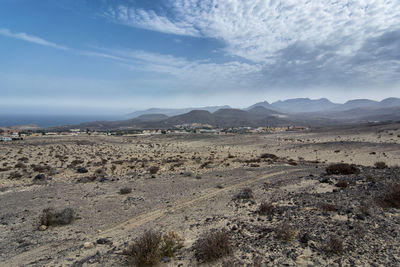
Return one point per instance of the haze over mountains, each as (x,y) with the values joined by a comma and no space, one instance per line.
(299,111)
(301,105)
(173,112)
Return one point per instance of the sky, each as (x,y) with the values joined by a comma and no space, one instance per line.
(116,56)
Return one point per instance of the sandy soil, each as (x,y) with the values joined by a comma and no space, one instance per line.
(193,192)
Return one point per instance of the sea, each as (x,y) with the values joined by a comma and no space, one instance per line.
(7,120)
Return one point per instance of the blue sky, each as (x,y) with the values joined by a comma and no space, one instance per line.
(115,56)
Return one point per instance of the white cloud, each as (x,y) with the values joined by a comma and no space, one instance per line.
(258,29)
(30,38)
(148,19)
(193,74)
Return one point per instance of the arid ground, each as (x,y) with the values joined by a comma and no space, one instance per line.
(270,194)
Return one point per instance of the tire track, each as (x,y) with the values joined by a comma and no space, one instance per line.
(114,233)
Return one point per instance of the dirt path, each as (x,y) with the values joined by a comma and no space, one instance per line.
(68,248)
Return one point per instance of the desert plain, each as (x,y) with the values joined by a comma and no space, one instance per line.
(270,194)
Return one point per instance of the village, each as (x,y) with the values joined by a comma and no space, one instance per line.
(19,133)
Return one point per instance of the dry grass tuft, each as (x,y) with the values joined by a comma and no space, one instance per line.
(334,246)
(148,249)
(212,246)
(52,217)
(265,208)
(342,168)
(286,232)
(391,196)
(381,165)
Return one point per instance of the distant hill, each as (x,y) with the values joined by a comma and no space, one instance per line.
(173,112)
(299,111)
(152,117)
(306,105)
(357,103)
(297,105)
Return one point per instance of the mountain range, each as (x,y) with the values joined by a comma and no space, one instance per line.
(302,105)
(299,111)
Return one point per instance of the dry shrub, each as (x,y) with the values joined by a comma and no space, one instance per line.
(342,184)
(20,165)
(342,168)
(334,246)
(15,175)
(53,217)
(148,249)
(212,246)
(391,196)
(125,190)
(244,194)
(100,173)
(256,160)
(381,165)
(172,243)
(266,208)
(328,207)
(154,169)
(286,232)
(24,159)
(41,168)
(269,156)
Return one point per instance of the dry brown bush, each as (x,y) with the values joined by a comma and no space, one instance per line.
(342,168)
(212,246)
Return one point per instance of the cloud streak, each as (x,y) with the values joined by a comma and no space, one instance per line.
(297,43)
(30,38)
(188,75)
(256,30)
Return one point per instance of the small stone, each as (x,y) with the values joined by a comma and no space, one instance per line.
(82,170)
(42,228)
(88,245)
(103,241)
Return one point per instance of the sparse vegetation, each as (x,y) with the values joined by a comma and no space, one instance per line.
(172,243)
(286,232)
(328,207)
(269,156)
(265,208)
(15,175)
(244,194)
(334,245)
(52,217)
(381,165)
(391,196)
(212,246)
(154,169)
(342,184)
(342,168)
(148,249)
(125,190)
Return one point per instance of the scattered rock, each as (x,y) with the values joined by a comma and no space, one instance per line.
(125,190)
(88,245)
(42,227)
(82,170)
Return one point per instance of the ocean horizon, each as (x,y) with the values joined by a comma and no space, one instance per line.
(44,121)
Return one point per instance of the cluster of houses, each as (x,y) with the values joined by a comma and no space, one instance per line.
(16,135)
(11,136)
(206,128)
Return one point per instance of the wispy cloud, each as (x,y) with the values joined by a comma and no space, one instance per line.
(150,20)
(297,42)
(258,29)
(30,38)
(195,74)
